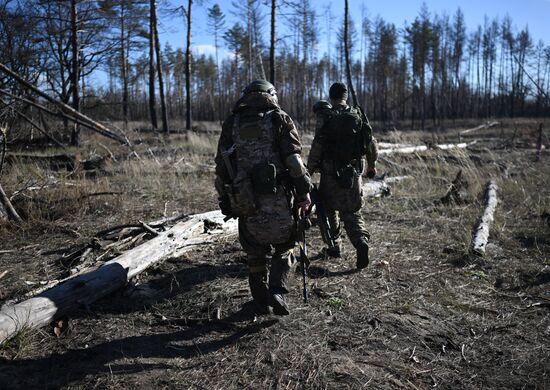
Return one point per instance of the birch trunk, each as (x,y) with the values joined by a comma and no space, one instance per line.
(481,235)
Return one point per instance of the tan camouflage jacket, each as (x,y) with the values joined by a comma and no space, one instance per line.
(289,145)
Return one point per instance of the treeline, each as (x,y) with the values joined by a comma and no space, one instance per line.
(104,57)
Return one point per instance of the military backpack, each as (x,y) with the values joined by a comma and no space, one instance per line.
(257,161)
(348,135)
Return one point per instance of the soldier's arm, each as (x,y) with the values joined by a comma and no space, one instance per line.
(372,153)
(316,152)
(290,151)
(225,142)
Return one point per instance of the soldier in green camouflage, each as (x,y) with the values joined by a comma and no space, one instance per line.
(261,180)
(343,138)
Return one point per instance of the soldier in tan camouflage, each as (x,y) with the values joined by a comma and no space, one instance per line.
(261,180)
(343,138)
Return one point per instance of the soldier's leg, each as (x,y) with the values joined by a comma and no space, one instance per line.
(358,234)
(257,267)
(335,230)
(279,277)
(281,262)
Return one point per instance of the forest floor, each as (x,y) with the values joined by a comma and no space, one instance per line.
(424,314)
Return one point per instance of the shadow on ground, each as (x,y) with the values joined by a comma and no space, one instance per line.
(60,370)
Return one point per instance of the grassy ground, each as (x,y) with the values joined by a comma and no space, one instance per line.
(424,314)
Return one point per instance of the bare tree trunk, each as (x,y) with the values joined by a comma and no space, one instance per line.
(124,65)
(272,46)
(249,43)
(75,73)
(257,49)
(346,53)
(159,68)
(152,111)
(188,69)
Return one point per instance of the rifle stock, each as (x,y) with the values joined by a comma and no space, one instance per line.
(302,225)
(322,218)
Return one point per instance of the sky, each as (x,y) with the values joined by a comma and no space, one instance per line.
(533,13)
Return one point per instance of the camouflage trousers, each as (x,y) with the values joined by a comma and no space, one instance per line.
(258,259)
(344,204)
(353,224)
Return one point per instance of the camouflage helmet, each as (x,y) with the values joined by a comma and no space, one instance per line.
(260,86)
(321,105)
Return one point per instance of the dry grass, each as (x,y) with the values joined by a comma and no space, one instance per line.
(425,313)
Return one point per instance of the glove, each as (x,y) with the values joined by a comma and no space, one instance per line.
(304,202)
(225,207)
(371,172)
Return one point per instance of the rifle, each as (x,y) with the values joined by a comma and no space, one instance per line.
(227,162)
(230,172)
(322,219)
(348,65)
(302,225)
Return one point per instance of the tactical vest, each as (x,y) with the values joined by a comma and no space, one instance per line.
(257,195)
(347,135)
(257,152)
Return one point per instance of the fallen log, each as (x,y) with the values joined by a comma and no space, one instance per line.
(403,150)
(60,161)
(423,148)
(480,127)
(389,145)
(481,235)
(8,207)
(54,162)
(93,125)
(41,108)
(461,145)
(89,287)
(378,188)
(3,213)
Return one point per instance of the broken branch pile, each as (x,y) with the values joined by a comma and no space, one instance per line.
(65,110)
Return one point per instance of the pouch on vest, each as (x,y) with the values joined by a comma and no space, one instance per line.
(264,179)
(346,176)
(241,197)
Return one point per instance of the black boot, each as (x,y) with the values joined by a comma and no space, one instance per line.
(260,293)
(334,251)
(279,273)
(362,254)
(279,283)
(279,305)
